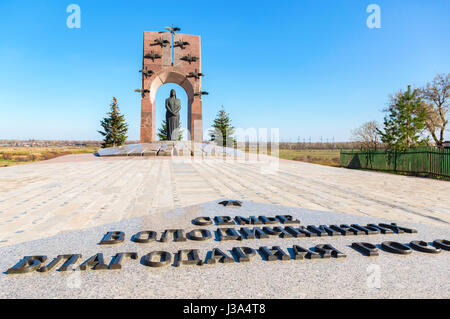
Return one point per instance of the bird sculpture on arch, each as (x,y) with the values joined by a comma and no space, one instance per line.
(158,68)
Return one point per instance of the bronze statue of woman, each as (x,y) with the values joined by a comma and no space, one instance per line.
(173,106)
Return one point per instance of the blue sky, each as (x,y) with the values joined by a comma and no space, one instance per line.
(310,68)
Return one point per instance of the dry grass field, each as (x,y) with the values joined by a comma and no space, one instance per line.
(20,155)
(329,157)
(323,157)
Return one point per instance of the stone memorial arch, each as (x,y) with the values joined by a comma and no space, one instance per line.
(184,69)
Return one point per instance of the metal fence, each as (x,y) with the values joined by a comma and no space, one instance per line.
(429,161)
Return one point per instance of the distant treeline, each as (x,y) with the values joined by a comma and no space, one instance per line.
(320,146)
(311,146)
(54,143)
(282,145)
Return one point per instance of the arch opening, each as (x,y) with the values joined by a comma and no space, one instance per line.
(171,78)
(160,109)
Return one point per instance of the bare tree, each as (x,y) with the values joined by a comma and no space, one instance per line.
(367,135)
(436,99)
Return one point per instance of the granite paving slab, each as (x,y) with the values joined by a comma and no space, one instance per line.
(417,275)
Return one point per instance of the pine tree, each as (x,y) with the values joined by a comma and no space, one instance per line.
(405,122)
(222,132)
(114,127)
(162,131)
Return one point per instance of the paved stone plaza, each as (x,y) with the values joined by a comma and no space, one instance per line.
(83,191)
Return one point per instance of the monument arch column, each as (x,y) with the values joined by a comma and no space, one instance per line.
(184,70)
